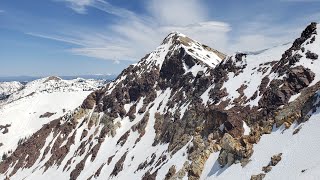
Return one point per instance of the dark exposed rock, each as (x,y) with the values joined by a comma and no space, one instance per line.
(90,101)
(266,169)
(119,165)
(296,131)
(123,138)
(300,77)
(148,176)
(132,112)
(84,134)
(79,167)
(258,177)
(47,115)
(142,165)
(52,78)
(297,79)
(171,172)
(264,82)
(97,173)
(110,159)
(311,55)
(5,128)
(275,159)
(141,125)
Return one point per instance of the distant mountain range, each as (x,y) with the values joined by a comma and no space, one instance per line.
(32,78)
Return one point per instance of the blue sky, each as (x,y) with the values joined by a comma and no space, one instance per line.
(76,37)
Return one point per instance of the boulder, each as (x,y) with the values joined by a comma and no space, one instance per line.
(266,169)
(258,177)
(171,172)
(230,144)
(275,159)
(223,158)
(311,55)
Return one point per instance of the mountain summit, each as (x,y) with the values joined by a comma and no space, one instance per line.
(187,111)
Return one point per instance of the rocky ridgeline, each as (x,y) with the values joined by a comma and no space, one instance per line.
(175,102)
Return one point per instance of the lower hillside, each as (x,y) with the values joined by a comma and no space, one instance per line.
(27,108)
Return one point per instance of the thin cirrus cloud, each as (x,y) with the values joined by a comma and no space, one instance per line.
(78,5)
(135,35)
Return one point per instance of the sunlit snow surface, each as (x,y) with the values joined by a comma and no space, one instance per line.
(23,109)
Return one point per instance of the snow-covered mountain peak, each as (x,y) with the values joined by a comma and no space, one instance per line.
(52,78)
(171,37)
(183,52)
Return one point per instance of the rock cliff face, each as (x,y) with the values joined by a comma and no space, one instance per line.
(165,116)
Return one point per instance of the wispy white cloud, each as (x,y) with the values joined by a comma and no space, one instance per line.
(78,5)
(263,32)
(58,38)
(108,8)
(81,6)
(177,12)
(134,35)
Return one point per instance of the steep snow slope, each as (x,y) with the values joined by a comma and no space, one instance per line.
(181,105)
(20,114)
